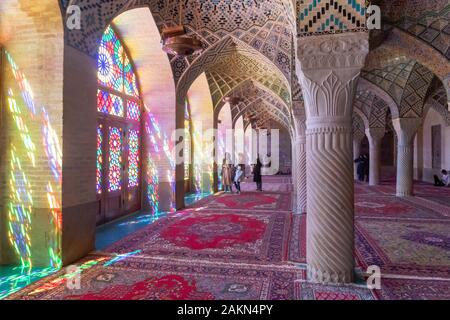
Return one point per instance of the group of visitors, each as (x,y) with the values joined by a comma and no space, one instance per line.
(444,181)
(362,169)
(235,175)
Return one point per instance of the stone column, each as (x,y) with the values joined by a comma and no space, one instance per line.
(328,69)
(299,162)
(375,136)
(406,129)
(357,138)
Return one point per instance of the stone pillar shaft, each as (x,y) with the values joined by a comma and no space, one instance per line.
(375,136)
(406,129)
(328,69)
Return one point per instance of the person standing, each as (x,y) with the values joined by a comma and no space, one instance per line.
(366,168)
(238,176)
(360,168)
(226,176)
(257,177)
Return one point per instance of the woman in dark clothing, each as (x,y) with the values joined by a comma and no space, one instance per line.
(366,168)
(257,175)
(360,168)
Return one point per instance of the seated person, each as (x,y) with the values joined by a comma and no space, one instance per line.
(444,181)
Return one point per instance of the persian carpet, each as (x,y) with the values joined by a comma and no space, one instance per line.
(138,278)
(413,289)
(230,236)
(316,291)
(297,240)
(390,206)
(414,247)
(253,201)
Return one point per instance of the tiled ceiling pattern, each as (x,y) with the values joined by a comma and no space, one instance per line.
(432,27)
(374,108)
(255,99)
(264,25)
(234,61)
(415,92)
(358,126)
(392,78)
(233,69)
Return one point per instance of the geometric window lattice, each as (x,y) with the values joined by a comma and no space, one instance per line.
(115,159)
(99,158)
(133,158)
(109,103)
(117,96)
(328,16)
(115,70)
(133,111)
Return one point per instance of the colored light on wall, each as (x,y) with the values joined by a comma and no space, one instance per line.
(19,211)
(115,159)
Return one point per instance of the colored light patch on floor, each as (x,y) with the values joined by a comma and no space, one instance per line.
(116,230)
(151,279)
(13,279)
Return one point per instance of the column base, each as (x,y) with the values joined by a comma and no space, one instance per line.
(327,276)
(403,194)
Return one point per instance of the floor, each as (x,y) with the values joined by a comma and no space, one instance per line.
(251,246)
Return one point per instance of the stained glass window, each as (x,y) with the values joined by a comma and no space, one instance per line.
(110,61)
(115,159)
(187,141)
(133,158)
(109,103)
(133,111)
(117,96)
(115,70)
(99,158)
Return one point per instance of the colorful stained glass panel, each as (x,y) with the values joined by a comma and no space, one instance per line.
(133,111)
(99,158)
(133,158)
(109,103)
(110,61)
(115,159)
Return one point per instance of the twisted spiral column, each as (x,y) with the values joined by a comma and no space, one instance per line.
(328,69)
(375,136)
(300,179)
(406,129)
(330,204)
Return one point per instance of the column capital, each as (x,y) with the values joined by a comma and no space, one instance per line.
(328,70)
(333,51)
(374,135)
(406,129)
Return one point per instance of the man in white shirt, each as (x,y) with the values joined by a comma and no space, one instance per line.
(444,182)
